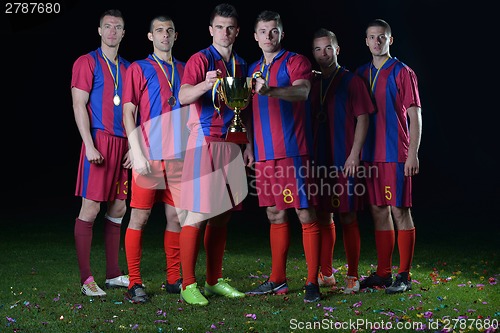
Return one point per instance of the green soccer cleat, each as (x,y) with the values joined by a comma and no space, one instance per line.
(193,296)
(222,288)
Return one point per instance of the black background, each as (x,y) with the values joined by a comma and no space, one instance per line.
(450,47)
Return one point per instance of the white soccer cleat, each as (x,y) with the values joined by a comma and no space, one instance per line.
(326,281)
(92,289)
(118,282)
(352,285)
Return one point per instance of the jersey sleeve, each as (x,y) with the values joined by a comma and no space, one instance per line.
(132,86)
(195,69)
(409,94)
(299,68)
(360,99)
(83,73)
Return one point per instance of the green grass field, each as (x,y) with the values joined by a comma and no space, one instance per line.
(455,282)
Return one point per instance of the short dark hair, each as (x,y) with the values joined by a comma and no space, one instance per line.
(111,12)
(269,15)
(322,32)
(380,23)
(161,18)
(225,10)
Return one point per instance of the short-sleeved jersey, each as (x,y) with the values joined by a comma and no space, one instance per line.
(394,89)
(203,117)
(281,128)
(163,125)
(91,73)
(336,102)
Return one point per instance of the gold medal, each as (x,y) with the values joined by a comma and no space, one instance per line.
(116,100)
(172,100)
(321,116)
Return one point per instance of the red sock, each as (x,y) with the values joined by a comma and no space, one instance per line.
(133,253)
(328,236)
(172,256)
(83,243)
(215,244)
(352,246)
(384,242)
(310,241)
(112,242)
(279,235)
(406,247)
(189,245)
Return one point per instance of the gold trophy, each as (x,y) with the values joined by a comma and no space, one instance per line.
(236,92)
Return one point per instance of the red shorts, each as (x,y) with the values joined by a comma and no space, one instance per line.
(107,181)
(163,184)
(285,183)
(340,194)
(387,184)
(214,176)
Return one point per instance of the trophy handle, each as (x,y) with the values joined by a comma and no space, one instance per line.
(217,92)
(254,77)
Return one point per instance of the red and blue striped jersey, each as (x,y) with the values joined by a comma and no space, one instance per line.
(395,89)
(163,125)
(281,128)
(91,74)
(203,117)
(334,121)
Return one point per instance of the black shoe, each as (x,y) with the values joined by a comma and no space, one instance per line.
(136,294)
(312,293)
(174,288)
(401,284)
(269,287)
(375,281)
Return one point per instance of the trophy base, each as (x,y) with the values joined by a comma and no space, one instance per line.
(239,138)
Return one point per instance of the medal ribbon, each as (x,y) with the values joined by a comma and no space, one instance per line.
(321,96)
(115,79)
(233,63)
(263,66)
(218,82)
(163,70)
(372,83)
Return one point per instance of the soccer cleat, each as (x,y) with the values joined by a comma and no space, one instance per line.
(117,282)
(326,281)
(401,284)
(312,293)
(137,294)
(352,285)
(174,288)
(222,288)
(269,287)
(193,296)
(374,280)
(92,289)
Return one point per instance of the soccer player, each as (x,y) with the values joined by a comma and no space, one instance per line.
(281,127)
(155,125)
(205,197)
(391,148)
(340,104)
(96,90)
